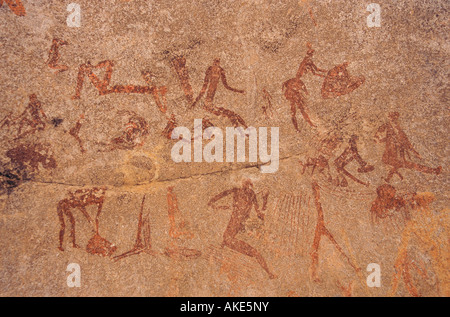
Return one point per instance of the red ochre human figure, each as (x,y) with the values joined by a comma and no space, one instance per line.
(53,56)
(75,133)
(295,89)
(321,230)
(214,74)
(350,154)
(103,85)
(179,63)
(398,148)
(338,82)
(387,203)
(32,119)
(244,198)
(80,199)
(16,6)
(308,66)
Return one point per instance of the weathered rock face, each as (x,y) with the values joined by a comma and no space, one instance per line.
(355,203)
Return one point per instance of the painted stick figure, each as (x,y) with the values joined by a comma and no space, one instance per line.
(143,239)
(16,6)
(244,198)
(179,63)
(53,56)
(398,147)
(321,230)
(75,131)
(268,107)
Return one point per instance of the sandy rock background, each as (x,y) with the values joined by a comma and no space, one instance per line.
(51,163)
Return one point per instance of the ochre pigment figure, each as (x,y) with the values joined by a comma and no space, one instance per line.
(398,149)
(244,199)
(53,56)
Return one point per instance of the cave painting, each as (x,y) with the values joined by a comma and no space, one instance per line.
(80,199)
(339,82)
(143,241)
(351,154)
(179,231)
(429,232)
(16,6)
(244,199)
(213,75)
(398,149)
(103,85)
(31,120)
(28,157)
(134,133)
(53,56)
(75,131)
(322,230)
(387,204)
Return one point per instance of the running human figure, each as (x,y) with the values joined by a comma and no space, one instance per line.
(398,147)
(53,56)
(244,198)
(214,73)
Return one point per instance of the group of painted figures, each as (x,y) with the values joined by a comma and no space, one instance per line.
(399,153)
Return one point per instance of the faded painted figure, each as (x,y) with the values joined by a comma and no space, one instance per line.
(244,198)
